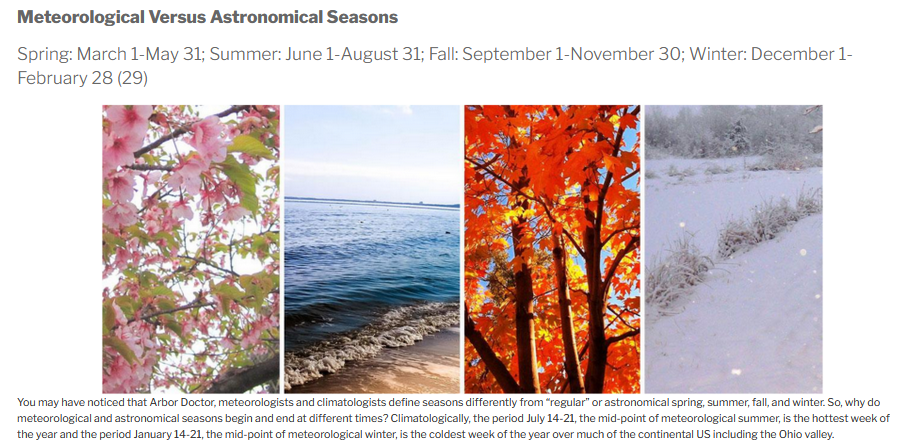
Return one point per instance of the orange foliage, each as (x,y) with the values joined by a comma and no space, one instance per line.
(536,175)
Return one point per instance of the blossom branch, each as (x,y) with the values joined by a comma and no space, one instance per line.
(183,130)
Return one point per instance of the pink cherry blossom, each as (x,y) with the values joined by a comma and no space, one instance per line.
(121,186)
(187,175)
(129,122)
(251,338)
(122,258)
(152,220)
(234,213)
(211,197)
(207,140)
(182,210)
(118,151)
(120,215)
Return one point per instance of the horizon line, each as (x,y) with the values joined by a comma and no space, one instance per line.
(419,203)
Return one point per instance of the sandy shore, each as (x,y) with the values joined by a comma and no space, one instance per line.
(430,366)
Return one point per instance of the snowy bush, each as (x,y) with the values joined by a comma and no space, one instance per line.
(716,169)
(673,276)
(809,202)
(766,221)
(788,157)
(650,174)
(674,171)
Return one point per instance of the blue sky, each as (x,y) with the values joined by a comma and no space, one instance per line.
(387,153)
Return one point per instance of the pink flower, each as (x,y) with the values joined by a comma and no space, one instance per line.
(120,186)
(210,197)
(187,175)
(207,140)
(129,122)
(118,151)
(182,210)
(234,213)
(248,159)
(120,215)
(251,338)
(152,220)
(120,376)
(122,258)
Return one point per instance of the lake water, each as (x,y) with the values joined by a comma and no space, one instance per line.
(360,278)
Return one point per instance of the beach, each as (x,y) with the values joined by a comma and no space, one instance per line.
(429,366)
(371,296)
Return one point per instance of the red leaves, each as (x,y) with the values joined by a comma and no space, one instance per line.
(544,167)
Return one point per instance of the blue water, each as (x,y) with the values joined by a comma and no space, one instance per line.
(347,266)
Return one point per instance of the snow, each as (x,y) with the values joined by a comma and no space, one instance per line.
(755,324)
(700,204)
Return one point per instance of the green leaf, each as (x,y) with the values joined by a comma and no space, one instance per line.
(239,173)
(138,234)
(257,285)
(250,146)
(250,202)
(172,242)
(108,317)
(174,326)
(260,243)
(121,348)
(226,293)
(126,304)
(112,239)
(241,176)
(146,278)
(165,304)
(156,291)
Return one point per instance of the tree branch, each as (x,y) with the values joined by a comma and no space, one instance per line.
(629,175)
(620,255)
(498,369)
(623,336)
(173,310)
(245,378)
(620,317)
(612,234)
(148,167)
(208,263)
(183,130)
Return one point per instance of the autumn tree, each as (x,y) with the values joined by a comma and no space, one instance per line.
(191,231)
(551,249)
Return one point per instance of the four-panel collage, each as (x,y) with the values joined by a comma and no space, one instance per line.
(461,249)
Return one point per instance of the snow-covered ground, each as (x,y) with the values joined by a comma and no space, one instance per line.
(755,324)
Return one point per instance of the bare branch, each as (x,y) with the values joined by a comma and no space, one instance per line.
(148,167)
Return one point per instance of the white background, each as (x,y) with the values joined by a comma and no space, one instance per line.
(51,156)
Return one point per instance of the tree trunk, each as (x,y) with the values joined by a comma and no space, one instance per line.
(594,379)
(598,351)
(571,355)
(526,331)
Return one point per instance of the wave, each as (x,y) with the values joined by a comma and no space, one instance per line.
(398,327)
